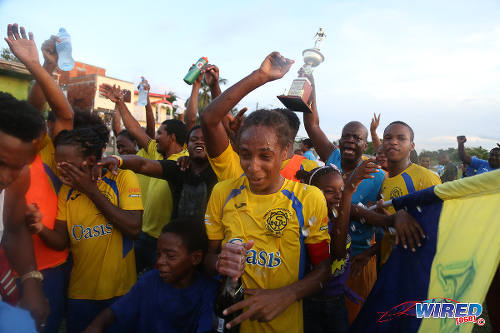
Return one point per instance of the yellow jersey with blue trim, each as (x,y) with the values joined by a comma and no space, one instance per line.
(412,179)
(103,258)
(281,225)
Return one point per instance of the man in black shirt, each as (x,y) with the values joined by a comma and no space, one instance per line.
(190,186)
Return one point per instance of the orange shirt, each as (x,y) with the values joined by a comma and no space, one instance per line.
(42,191)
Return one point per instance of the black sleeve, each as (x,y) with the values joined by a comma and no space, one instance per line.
(171,171)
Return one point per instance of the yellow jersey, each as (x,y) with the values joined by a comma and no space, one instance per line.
(103,259)
(227,164)
(281,225)
(158,205)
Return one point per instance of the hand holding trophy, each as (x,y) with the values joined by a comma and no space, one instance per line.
(298,95)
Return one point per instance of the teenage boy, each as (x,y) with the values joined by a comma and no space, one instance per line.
(175,297)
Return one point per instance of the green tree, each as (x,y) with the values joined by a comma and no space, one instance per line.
(205,98)
(7,55)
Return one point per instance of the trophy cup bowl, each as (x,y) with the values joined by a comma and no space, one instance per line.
(312,57)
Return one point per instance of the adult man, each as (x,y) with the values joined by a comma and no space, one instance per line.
(475,163)
(306,146)
(450,171)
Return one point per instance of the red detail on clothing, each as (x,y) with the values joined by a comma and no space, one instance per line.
(8,290)
(318,252)
(292,167)
(42,193)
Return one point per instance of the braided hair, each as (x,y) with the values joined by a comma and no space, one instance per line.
(271,119)
(91,140)
(312,177)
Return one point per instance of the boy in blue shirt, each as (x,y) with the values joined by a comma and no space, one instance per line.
(475,163)
(175,297)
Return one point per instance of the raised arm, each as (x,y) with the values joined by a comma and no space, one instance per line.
(114,94)
(192,107)
(137,164)
(373,131)
(150,118)
(116,123)
(25,50)
(323,146)
(461,149)
(274,67)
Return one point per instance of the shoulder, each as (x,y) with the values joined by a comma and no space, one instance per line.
(308,164)
(334,157)
(303,192)
(176,156)
(424,175)
(226,186)
(477,161)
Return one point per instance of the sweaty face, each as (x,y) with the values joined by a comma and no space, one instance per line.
(260,158)
(425,162)
(352,143)
(174,260)
(14,155)
(196,145)
(397,143)
(125,146)
(163,139)
(332,186)
(494,159)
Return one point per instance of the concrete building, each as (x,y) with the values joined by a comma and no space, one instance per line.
(14,79)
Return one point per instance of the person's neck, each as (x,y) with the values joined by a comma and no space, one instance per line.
(186,281)
(349,166)
(173,149)
(395,168)
(272,189)
(198,165)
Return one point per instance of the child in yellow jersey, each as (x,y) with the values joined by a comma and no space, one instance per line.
(279,221)
(404,177)
(97,221)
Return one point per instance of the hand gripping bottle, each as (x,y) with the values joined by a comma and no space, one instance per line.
(229,293)
(195,71)
(143,94)
(65,61)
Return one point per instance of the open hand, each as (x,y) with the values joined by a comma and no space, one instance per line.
(113,93)
(362,171)
(262,305)
(22,47)
(183,162)
(111,163)
(33,218)
(408,231)
(231,261)
(275,66)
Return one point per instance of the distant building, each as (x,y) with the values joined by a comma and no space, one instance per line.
(14,79)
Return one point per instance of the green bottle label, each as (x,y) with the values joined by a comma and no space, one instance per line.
(193,74)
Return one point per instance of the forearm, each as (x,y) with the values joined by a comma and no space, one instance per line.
(128,222)
(215,90)
(103,320)
(210,259)
(320,141)
(375,140)
(150,119)
(54,95)
(132,125)
(462,154)
(371,217)
(36,96)
(312,283)
(338,235)
(192,107)
(116,125)
(142,165)
(56,238)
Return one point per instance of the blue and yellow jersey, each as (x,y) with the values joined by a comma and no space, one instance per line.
(227,164)
(104,260)
(281,224)
(412,179)
(158,202)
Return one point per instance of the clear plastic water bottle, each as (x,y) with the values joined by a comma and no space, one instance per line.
(143,94)
(65,61)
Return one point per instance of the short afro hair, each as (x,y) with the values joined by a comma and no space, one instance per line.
(19,119)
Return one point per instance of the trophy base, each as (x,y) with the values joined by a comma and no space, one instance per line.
(295,103)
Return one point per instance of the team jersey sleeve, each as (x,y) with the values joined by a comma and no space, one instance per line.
(129,191)
(226,165)
(213,215)
(477,163)
(152,151)
(47,153)
(171,171)
(308,164)
(62,198)
(316,216)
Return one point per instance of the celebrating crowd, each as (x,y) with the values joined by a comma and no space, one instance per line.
(140,241)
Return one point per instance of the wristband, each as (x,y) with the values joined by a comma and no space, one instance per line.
(32,275)
(119,159)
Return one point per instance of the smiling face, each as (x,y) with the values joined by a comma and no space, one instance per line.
(332,185)
(196,145)
(175,262)
(397,143)
(125,146)
(260,157)
(352,143)
(14,156)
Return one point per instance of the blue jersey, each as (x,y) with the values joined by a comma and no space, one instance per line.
(480,165)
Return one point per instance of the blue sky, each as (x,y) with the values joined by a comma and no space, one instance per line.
(434,64)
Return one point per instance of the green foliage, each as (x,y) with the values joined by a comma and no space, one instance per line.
(7,55)
(479,152)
